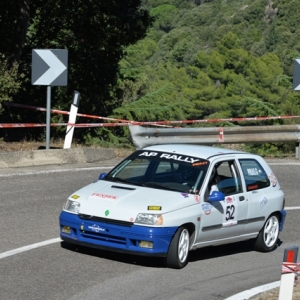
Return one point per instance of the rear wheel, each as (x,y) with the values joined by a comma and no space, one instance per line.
(177,256)
(267,237)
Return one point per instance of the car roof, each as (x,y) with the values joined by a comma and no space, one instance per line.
(200,151)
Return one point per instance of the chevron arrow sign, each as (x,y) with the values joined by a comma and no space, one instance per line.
(49,67)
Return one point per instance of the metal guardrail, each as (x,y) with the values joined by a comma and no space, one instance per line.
(143,136)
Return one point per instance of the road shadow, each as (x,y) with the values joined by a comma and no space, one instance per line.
(225,250)
(158,262)
(145,261)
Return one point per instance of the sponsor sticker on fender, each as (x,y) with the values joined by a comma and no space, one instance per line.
(273,179)
(229,199)
(206,207)
(263,203)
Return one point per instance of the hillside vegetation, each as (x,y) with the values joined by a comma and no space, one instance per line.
(196,60)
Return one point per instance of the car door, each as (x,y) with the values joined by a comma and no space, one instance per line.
(257,185)
(226,218)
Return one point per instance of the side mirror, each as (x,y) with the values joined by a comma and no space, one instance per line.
(216,196)
(101,176)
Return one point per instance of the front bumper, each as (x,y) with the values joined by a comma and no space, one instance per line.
(115,237)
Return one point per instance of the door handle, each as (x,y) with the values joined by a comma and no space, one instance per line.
(241,198)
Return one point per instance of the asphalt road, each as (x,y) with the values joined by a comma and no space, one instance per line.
(30,202)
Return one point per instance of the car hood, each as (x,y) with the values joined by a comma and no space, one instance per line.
(124,202)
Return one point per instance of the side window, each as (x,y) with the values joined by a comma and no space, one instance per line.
(226,177)
(255,176)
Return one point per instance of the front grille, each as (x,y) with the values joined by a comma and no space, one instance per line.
(104,237)
(105,220)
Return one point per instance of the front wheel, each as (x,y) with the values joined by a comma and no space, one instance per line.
(177,256)
(267,237)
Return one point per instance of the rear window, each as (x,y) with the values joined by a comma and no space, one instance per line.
(254,174)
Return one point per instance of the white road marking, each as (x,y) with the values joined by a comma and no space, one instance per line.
(292,207)
(245,295)
(293,163)
(54,171)
(29,247)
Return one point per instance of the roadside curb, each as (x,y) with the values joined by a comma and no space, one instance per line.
(54,157)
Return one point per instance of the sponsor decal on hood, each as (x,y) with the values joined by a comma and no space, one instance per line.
(103,196)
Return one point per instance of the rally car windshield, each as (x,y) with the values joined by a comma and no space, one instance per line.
(161,170)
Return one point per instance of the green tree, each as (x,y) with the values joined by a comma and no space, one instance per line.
(165,17)
(9,83)
(94,33)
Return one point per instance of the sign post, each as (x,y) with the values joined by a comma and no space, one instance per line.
(48,117)
(289,268)
(49,67)
(296,87)
(72,120)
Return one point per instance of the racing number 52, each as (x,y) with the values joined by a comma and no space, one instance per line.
(230,212)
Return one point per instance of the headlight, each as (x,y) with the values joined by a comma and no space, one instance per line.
(149,219)
(72,206)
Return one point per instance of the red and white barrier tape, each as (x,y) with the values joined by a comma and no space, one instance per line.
(63,112)
(288,267)
(121,122)
(82,125)
(57,111)
(27,125)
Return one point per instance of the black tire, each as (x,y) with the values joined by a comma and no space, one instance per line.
(177,257)
(267,237)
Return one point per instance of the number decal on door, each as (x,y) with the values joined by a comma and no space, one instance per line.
(230,212)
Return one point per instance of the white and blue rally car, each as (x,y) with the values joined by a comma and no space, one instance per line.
(167,200)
